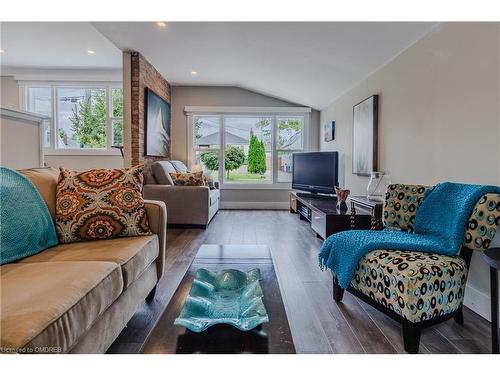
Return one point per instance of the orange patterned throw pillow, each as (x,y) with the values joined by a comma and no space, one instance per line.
(100,204)
(188,179)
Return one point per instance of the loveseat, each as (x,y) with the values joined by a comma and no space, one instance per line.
(77,297)
(414,288)
(187,205)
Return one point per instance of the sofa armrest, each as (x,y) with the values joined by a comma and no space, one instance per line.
(157,218)
(171,194)
(185,204)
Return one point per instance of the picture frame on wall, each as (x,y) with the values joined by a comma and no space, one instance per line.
(364,140)
(329,128)
(156,125)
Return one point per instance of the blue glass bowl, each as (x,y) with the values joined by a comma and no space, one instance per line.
(227,297)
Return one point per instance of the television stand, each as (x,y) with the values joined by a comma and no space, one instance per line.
(324,216)
(316,196)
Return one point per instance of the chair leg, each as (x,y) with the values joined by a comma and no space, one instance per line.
(494,310)
(459,316)
(151,295)
(338,292)
(411,337)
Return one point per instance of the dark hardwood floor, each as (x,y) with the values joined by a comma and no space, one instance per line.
(318,324)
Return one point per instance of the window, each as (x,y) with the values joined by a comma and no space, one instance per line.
(290,140)
(256,148)
(40,101)
(117,116)
(206,143)
(248,149)
(82,118)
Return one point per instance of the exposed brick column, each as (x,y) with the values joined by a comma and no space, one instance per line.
(144,75)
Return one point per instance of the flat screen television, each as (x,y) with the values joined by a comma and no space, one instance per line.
(316,172)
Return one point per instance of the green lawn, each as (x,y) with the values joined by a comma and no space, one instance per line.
(244,177)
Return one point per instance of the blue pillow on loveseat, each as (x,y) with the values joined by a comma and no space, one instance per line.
(26,227)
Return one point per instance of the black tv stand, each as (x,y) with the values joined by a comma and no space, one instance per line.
(315,196)
(323,214)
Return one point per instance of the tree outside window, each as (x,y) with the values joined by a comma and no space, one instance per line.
(233,159)
(117,112)
(85,117)
(257,149)
(88,120)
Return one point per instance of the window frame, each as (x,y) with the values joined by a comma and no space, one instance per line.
(278,149)
(110,115)
(192,149)
(271,112)
(24,103)
(54,86)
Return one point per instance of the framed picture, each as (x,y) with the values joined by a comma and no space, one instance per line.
(157,125)
(329,131)
(364,139)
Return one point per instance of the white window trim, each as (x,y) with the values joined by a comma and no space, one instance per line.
(54,85)
(222,112)
(207,110)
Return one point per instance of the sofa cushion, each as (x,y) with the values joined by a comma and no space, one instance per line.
(49,306)
(161,172)
(179,166)
(133,254)
(45,181)
(418,286)
(99,204)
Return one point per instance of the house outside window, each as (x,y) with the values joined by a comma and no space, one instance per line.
(82,118)
(238,147)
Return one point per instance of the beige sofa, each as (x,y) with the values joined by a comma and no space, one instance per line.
(187,205)
(78,297)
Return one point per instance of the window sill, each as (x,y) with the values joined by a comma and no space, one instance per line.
(270,186)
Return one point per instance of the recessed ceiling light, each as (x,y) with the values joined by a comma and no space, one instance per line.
(161,24)
(2,51)
(194,72)
(90,51)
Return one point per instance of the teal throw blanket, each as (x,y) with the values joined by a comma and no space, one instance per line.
(440,224)
(26,227)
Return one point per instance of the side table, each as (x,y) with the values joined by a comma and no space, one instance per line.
(492,257)
(374,206)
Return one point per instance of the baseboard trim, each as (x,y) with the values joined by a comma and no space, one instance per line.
(478,302)
(254,205)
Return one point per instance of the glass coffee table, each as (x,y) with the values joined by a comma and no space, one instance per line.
(273,337)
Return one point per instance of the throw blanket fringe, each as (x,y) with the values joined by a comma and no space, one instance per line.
(440,224)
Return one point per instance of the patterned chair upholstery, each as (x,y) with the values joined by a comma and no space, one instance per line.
(401,203)
(421,286)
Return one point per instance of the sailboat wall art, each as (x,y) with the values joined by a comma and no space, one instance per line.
(157,125)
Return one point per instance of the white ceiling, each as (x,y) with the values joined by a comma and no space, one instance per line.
(306,63)
(56,45)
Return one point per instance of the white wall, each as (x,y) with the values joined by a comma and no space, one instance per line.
(439,119)
(81,163)
(9,92)
(9,97)
(221,96)
(15,125)
(231,96)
